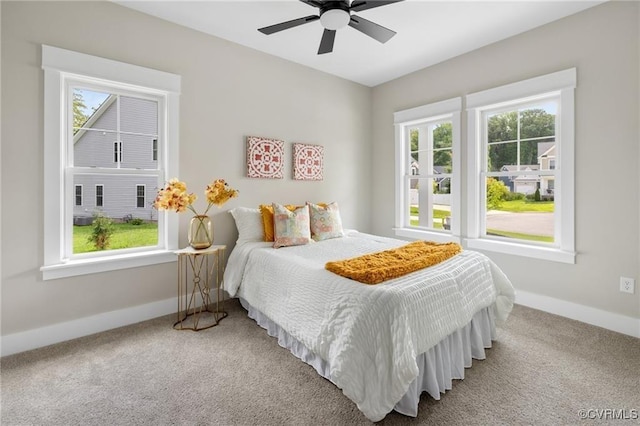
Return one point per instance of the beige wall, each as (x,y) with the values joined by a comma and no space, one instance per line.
(228,92)
(603,44)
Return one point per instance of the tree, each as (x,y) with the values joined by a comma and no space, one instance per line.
(442,138)
(534,123)
(79,107)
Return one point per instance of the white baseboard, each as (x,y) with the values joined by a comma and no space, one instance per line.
(609,320)
(39,337)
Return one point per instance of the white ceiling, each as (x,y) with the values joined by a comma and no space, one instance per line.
(428,32)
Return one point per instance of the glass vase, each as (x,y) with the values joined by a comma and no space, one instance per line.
(200,232)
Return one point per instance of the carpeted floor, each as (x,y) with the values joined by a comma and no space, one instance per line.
(542,370)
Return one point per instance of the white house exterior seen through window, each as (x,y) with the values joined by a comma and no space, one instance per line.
(111,139)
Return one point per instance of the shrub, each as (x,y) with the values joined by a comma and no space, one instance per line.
(514,196)
(136,221)
(496,193)
(101,232)
(536,196)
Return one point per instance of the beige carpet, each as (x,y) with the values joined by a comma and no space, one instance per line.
(542,370)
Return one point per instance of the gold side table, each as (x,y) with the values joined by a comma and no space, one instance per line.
(197,271)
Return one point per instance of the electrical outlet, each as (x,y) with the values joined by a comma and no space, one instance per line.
(627,285)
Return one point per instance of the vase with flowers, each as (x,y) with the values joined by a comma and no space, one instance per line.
(175,197)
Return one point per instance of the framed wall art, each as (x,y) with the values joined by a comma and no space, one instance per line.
(265,158)
(308,161)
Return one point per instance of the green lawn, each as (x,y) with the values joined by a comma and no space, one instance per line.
(124,236)
(522,206)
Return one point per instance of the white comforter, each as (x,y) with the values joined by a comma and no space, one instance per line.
(369,334)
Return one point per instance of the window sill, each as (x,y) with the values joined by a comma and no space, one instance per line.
(94,265)
(423,234)
(552,254)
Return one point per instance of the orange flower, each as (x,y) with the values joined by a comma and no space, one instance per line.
(175,197)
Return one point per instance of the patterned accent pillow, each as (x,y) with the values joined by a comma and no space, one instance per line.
(266,211)
(291,228)
(325,221)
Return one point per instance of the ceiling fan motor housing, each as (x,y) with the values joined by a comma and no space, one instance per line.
(335,15)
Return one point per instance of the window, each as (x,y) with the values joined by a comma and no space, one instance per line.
(428,177)
(78,193)
(93,108)
(117,152)
(520,151)
(140,196)
(154,150)
(99,195)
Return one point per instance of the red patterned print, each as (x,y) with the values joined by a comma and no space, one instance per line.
(308,161)
(264,158)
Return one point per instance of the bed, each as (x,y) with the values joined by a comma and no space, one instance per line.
(382,345)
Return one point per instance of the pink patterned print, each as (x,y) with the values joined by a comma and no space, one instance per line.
(308,161)
(264,158)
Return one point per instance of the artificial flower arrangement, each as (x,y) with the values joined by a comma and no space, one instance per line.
(175,197)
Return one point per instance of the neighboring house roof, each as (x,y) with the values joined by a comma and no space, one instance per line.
(543,147)
(550,152)
(513,167)
(525,168)
(94,117)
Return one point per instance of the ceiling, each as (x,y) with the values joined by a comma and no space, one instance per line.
(428,32)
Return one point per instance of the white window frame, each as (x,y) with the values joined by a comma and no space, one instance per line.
(144,194)
(154,150)
(117,152)
(59,67)
(75,195)
(101,186)
(448,110)
(562,84)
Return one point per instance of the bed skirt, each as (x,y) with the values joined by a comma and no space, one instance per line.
(438,366)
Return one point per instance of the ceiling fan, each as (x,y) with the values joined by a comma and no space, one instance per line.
(335,15)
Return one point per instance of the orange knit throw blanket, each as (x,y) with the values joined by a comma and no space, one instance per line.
(375,268)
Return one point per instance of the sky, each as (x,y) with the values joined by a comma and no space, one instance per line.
(92,100)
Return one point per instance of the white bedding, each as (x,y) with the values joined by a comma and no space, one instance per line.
(369,335)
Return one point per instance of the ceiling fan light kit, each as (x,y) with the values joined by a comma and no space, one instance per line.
(335,15)
(335,19)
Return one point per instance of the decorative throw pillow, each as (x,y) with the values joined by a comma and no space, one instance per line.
(325,221)
(249,224)
(291,227)
(266,211)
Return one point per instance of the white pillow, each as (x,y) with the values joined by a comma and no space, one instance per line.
(249,224)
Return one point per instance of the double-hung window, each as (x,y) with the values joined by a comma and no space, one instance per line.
(428,171)
(140,196)
(94,109)
(520,183)
(99,195)
(78,195)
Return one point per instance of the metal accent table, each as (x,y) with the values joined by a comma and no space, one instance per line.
(197,270)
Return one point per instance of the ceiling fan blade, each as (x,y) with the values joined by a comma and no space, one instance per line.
(314,3)
(289,24)
(358,6)
(371,29)
(326,44)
